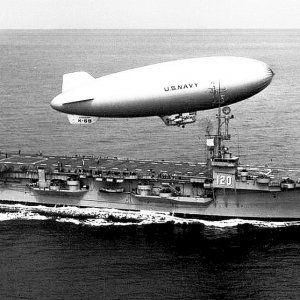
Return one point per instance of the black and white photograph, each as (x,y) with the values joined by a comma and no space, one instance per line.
(150,149)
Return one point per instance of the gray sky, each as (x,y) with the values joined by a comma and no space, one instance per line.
(149,14)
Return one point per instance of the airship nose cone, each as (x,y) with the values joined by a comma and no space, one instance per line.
(57,103)
(264,76)
(248,77)
(271,72)
(269,75)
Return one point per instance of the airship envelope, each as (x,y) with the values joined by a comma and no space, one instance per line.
(173,90)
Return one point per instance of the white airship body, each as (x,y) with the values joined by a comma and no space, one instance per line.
(173,90)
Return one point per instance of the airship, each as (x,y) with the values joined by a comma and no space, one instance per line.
(173,90)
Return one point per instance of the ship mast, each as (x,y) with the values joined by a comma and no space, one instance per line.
(215,142)
(219,99)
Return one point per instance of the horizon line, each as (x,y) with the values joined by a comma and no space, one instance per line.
(227,28)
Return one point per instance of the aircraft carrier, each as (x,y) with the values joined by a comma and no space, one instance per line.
(218,188)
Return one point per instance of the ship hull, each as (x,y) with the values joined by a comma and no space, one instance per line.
(227,203)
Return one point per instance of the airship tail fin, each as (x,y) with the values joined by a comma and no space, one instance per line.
(76,79)
(82,120)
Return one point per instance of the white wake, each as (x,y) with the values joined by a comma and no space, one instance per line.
(112,217)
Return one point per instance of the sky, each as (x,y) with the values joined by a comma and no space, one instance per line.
(156,14)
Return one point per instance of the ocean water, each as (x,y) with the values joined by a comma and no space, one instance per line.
(106,254)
